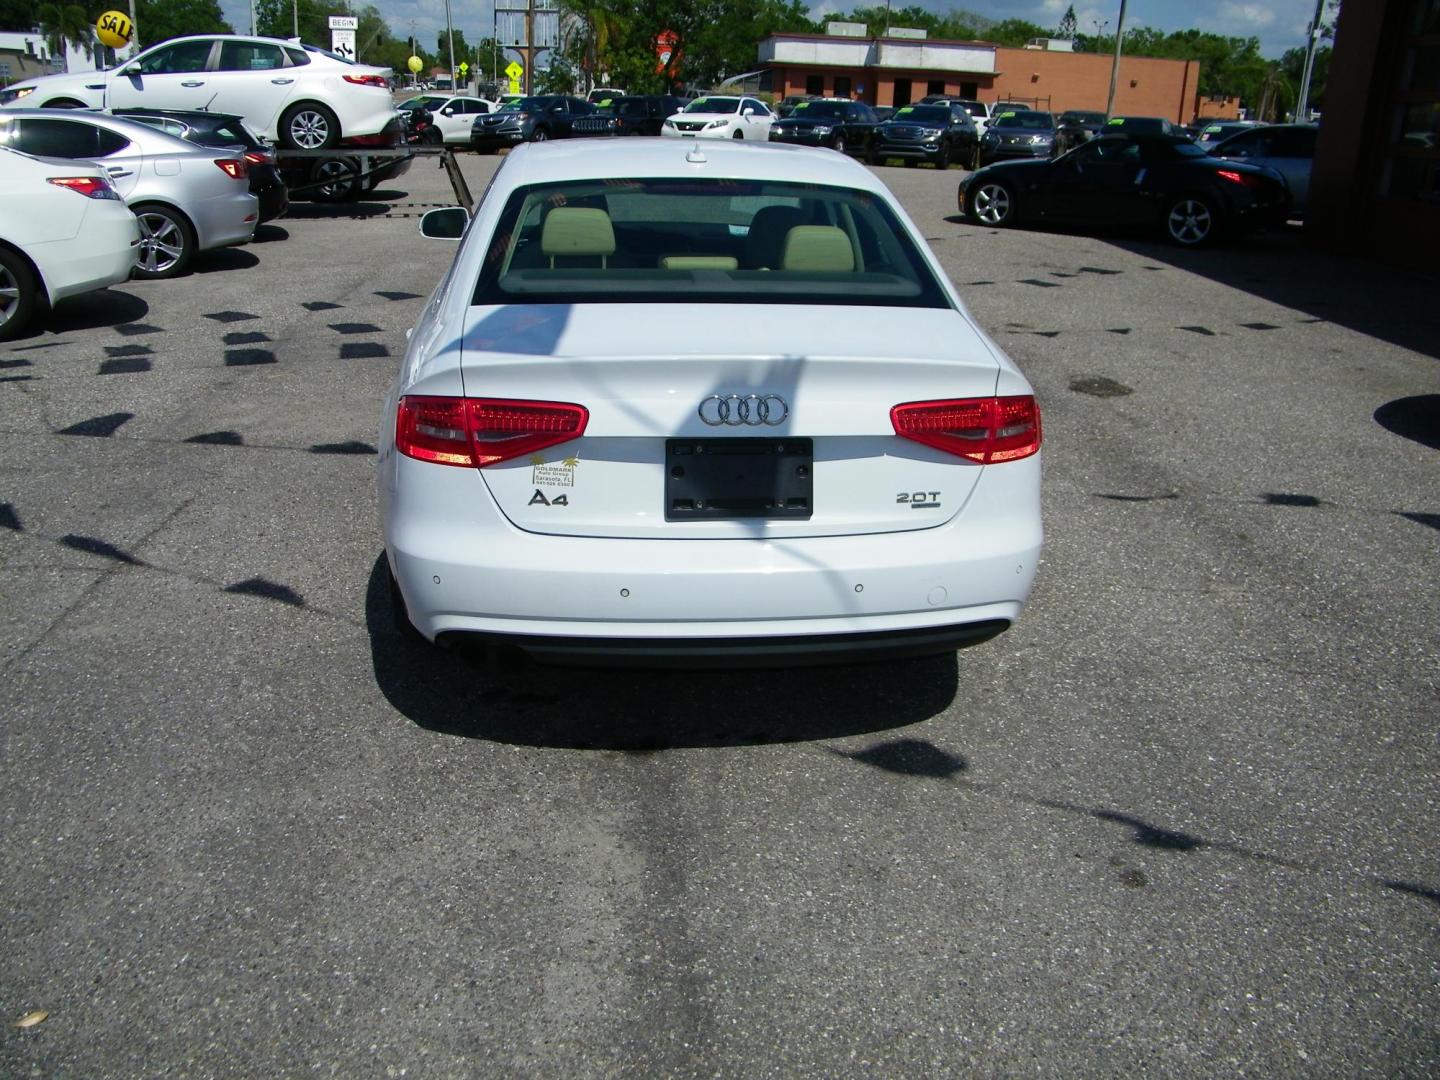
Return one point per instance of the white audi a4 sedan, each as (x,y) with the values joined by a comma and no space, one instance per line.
(707,403)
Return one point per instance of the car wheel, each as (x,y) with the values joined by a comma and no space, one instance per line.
(336,180)
(1190,222)
(992,204)
(19,294)
(942,159)
(839,145)
(434,138)
(874,158)
(909,163)
(167,242)
(974,162)
(309,127)
(541,135)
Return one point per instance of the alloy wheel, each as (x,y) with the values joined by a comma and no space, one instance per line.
(992,203)
(1190,222)
(309,130)
(162,243)
(9,295)
(539,136)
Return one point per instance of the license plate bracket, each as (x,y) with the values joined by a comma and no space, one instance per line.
(728,479)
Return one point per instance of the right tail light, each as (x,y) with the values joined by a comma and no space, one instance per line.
(986,431)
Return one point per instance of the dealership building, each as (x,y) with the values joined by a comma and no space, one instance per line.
(906,66)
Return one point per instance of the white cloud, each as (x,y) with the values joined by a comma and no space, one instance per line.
(1255,16)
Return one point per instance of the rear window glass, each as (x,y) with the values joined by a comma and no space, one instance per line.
(1028,119)
(820,110)
(699,241)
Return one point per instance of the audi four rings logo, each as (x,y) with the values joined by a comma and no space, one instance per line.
(751,410)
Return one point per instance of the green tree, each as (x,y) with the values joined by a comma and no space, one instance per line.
(18,15)
(64,25)
(1069,25)
(160,20)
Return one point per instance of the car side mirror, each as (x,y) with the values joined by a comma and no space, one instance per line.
(447,223)
(447,111)
(130,69)
(748,112)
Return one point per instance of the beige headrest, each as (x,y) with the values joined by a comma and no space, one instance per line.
(818,247)
(577,230)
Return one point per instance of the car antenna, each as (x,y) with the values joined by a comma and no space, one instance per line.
(206,106)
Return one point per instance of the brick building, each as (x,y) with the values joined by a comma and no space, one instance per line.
(897,70)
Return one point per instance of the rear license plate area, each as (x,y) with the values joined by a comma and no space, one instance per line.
(724,479)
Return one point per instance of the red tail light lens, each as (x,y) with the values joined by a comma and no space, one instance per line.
(367,80)
(984,430)
(92,187)
(259,157)
(483,431)
(235,168)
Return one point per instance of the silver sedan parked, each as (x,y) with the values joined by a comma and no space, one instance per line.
(188,198)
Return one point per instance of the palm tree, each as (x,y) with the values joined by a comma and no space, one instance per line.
(64,26)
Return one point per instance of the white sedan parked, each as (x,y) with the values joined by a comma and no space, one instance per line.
(451,118)
(712,403)
(64,230)
(302,96)
(721,118)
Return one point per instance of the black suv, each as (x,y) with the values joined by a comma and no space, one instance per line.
(938,134)
(528,119)
(631,114)
(841,125)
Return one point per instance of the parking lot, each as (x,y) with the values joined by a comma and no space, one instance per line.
(1180,820)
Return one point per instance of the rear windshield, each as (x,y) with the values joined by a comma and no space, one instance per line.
(702,241)
(1082,118)
(424,103)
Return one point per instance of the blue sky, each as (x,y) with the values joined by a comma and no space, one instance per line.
(1279,24)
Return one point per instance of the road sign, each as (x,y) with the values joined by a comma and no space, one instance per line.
(342,43)
(513,71)
(344,22)
(464,69)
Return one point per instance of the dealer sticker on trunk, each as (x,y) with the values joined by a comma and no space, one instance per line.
(553,474)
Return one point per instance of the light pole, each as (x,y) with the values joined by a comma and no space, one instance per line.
(450,31)
(1115,64)
(1302,106)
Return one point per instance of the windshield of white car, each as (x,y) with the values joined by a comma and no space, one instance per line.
(714,105)
(682,241)
(424,103)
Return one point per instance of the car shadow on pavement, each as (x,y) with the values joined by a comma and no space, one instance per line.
(1279,265)
(320,211)
(89,311)
(516,701)
(212,262)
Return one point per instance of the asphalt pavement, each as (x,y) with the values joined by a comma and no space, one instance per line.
(1181,820)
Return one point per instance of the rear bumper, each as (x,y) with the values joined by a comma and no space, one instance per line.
(464,569)
(102,253)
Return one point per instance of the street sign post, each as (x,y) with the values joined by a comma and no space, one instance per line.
(342,35)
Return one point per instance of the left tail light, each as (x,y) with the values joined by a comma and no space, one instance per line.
(983,430)
(235,168)
(259,157)
(92,187)
(367,80)
(475,432)
(1245,179)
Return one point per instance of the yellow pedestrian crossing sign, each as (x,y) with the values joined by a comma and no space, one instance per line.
(464,69)
(514,70)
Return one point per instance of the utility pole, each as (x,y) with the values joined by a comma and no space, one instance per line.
(1115,64)
(295,9)
(450,30)
(1302,107)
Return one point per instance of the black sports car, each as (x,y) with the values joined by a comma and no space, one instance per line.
(1161,182)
